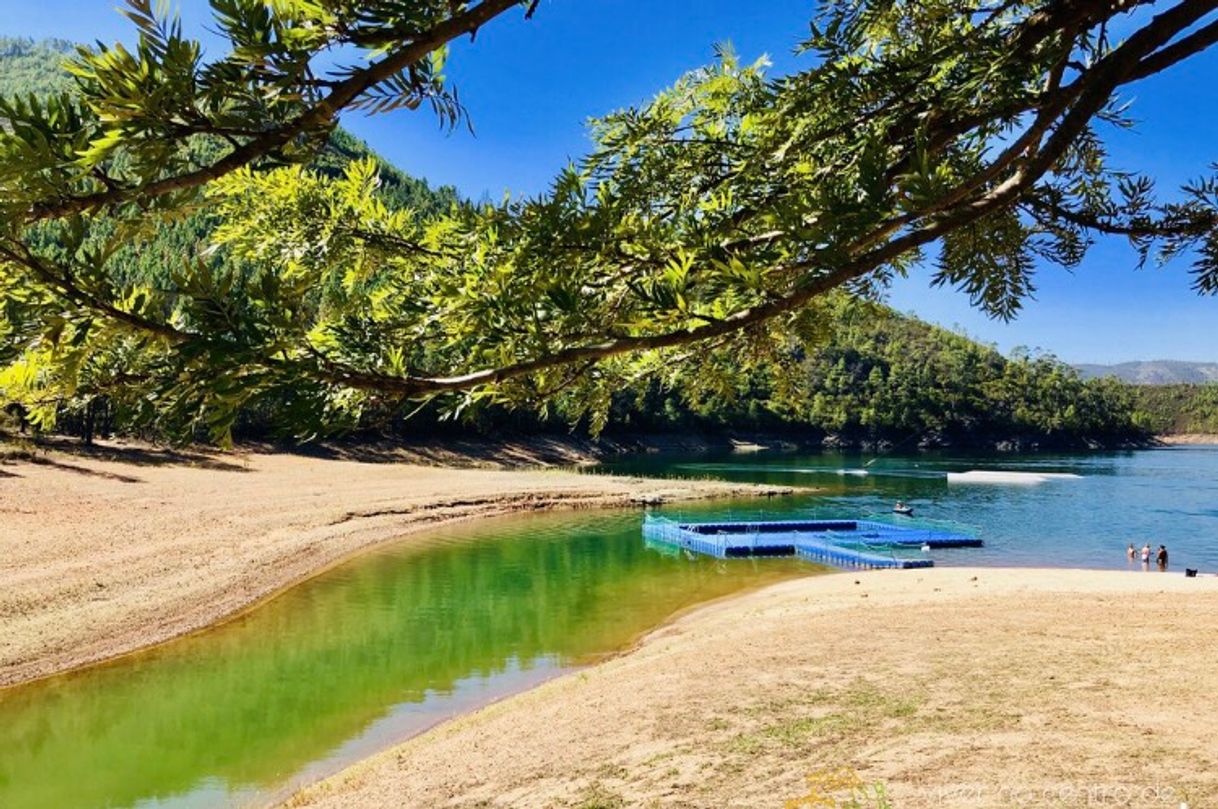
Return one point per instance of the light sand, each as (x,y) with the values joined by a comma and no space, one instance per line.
(100,557)
(947,687)
(1190,439)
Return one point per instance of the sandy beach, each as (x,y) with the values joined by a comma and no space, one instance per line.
(129,546)
(948,687)
(942,688)
(1190,439)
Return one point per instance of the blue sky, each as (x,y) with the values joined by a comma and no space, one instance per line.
(531,86)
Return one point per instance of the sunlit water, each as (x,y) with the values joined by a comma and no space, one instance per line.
(395,641)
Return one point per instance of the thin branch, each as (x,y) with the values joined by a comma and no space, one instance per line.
(1192,44)
(1149,229)
(21,255)
(320,116)
(392,241)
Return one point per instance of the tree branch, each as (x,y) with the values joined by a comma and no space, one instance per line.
(320,116)
(1091,91)
(1192,44)
(1150,229)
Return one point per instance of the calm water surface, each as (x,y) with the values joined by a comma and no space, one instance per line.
(348,663)
(1102,502)
(379,648)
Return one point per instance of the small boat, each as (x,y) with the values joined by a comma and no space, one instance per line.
(902,509)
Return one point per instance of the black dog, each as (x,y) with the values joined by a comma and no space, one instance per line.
(1190,573)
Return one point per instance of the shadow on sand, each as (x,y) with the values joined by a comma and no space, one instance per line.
(132,454)
(501,452)
(506,451)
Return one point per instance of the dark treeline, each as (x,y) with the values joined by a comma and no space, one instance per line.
(884,379)
(1167,409)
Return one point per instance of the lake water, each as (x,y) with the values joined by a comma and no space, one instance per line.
(1082,514)
(390,643)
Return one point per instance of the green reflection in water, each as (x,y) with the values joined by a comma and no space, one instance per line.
(361,656)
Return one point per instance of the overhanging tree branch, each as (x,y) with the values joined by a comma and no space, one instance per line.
(321,116)
(1092,91)
(730,202)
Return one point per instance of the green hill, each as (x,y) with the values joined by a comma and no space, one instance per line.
(1181,408)
(887,379)
(27,66)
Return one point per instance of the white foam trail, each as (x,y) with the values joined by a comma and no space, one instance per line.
(791,470)
(885,472)
(1003,477)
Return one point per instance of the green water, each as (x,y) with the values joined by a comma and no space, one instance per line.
(348,663)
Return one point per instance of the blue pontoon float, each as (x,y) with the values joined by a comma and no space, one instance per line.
(841,543)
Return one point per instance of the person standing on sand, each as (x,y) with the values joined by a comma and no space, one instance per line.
(1161,557)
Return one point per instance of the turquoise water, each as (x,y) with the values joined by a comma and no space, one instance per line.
(377,649)
(1085,518)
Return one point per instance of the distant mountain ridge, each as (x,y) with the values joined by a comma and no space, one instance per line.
(1154,372)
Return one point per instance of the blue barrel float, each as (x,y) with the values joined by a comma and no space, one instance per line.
(860,544)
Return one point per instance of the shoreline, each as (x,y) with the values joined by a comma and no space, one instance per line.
(937,634)
(1189,439)
(127,547)
(283,794)
(155,531)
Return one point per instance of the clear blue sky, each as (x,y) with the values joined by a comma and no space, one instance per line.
(530,86)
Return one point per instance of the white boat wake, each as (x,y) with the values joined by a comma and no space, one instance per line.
(988,476)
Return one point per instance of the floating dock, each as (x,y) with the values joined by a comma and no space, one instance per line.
(863,544)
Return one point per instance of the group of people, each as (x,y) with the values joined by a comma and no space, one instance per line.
(1160,556)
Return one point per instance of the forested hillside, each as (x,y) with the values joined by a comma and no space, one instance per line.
(27,66)
(871,376)
(885,378)
(1168,409)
